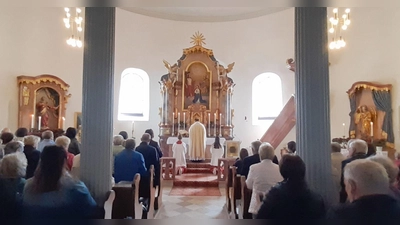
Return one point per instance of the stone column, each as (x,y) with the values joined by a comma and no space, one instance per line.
(97,102)
(312,98)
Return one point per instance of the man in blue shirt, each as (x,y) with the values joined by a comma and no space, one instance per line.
(128,163)
(47,139)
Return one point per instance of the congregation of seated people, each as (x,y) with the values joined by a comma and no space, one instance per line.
(37,178)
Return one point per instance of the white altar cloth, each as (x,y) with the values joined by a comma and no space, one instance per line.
(209,141)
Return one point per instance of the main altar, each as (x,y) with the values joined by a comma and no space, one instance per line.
(196,87)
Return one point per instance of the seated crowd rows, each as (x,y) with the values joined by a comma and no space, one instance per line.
(39,177)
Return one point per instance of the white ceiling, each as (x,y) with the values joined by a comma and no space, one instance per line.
(204,14)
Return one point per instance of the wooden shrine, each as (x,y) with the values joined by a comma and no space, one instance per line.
(42,102)
(197,86)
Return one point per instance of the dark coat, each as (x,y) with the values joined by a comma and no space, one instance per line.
(11,190)
(150,158)
(343,194)
(157,147)
(292,200)
(250,160)
(74,147)
(32,156)
(239,166)
(372,208)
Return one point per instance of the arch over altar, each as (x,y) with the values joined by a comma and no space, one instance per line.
(197,86)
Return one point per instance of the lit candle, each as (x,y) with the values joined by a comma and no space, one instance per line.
(63,126)
(209,124)
(184,120)
(40,122)
(344,130)
(372,129)
(215,124)
(32,121)
(173,123)
(179,121)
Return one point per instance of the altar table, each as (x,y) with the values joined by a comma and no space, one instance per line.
(209,142)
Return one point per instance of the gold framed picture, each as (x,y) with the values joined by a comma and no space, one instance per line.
(78,120)
(232,149)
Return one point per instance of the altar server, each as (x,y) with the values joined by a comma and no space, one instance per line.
(197,141)
(179,151)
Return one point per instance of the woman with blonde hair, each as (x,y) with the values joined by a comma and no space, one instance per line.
(12,172)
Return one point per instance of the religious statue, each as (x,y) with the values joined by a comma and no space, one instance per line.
(197,95)
(189,85)
(223,74)
(43,109)
(172,73)
(364,118)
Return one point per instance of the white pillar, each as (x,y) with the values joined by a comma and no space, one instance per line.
(312,98)
(97,102)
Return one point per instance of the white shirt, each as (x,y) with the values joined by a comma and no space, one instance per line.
(216,153)
(262,177)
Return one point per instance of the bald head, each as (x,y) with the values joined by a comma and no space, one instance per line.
(146,138)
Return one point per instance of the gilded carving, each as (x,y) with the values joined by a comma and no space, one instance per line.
(25,95)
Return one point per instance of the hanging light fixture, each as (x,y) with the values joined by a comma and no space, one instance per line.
(336,27)
(75,25)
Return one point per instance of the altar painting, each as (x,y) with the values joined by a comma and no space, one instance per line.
(197,83)
(47,107)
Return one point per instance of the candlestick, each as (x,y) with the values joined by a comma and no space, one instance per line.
(32,121)
(63,125)
(40,122)
(372,129)
(184,119)
(179,121)
(344,130)
(220,124)
(215,124)
(173,124)
(209,125)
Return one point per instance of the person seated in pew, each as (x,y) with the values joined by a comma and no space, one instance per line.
(150,157)
(179,151)
(262,176)
(239,161)
(292,198)
(154,143)
(128,163)
(53,194)
(253,159)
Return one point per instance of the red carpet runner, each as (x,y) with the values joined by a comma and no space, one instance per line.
(197,180)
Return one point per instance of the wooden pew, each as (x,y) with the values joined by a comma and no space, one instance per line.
(159,190)
(109,204)
(245,200)
(126,203)
(236,192)
(228,190)
(147,194)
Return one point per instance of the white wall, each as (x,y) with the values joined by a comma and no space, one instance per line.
(371,54)
(256,46)
(32,42)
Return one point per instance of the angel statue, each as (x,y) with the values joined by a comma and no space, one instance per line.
(172,73)
(223,74)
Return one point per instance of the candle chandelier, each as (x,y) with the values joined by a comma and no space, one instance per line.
(74,23)
(337,24)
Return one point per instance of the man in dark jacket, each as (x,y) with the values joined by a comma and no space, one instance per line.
(154,143)
(150,156)
(357,150)
(367,186)
(253,159)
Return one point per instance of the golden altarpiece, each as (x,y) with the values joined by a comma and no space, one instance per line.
(42,102)
(197,86)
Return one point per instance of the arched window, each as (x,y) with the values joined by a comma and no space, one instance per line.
(134,95)
(267,97)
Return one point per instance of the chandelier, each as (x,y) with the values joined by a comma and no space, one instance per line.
(336,26)
(74,23)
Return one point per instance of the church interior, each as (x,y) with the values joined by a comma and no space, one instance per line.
(233,71)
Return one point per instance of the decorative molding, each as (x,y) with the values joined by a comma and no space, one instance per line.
(369,85)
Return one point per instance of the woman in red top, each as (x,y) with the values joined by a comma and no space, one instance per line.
(64,141)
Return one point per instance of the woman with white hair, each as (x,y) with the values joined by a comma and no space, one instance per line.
(392,171)
(32,154)
(14,147)
(12,171)
(64,142)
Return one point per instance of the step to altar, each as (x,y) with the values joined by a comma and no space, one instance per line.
(197,174)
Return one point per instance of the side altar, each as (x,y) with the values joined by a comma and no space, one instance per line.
(196,87)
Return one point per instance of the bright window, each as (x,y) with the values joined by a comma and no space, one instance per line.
(134,95)
(267,98)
